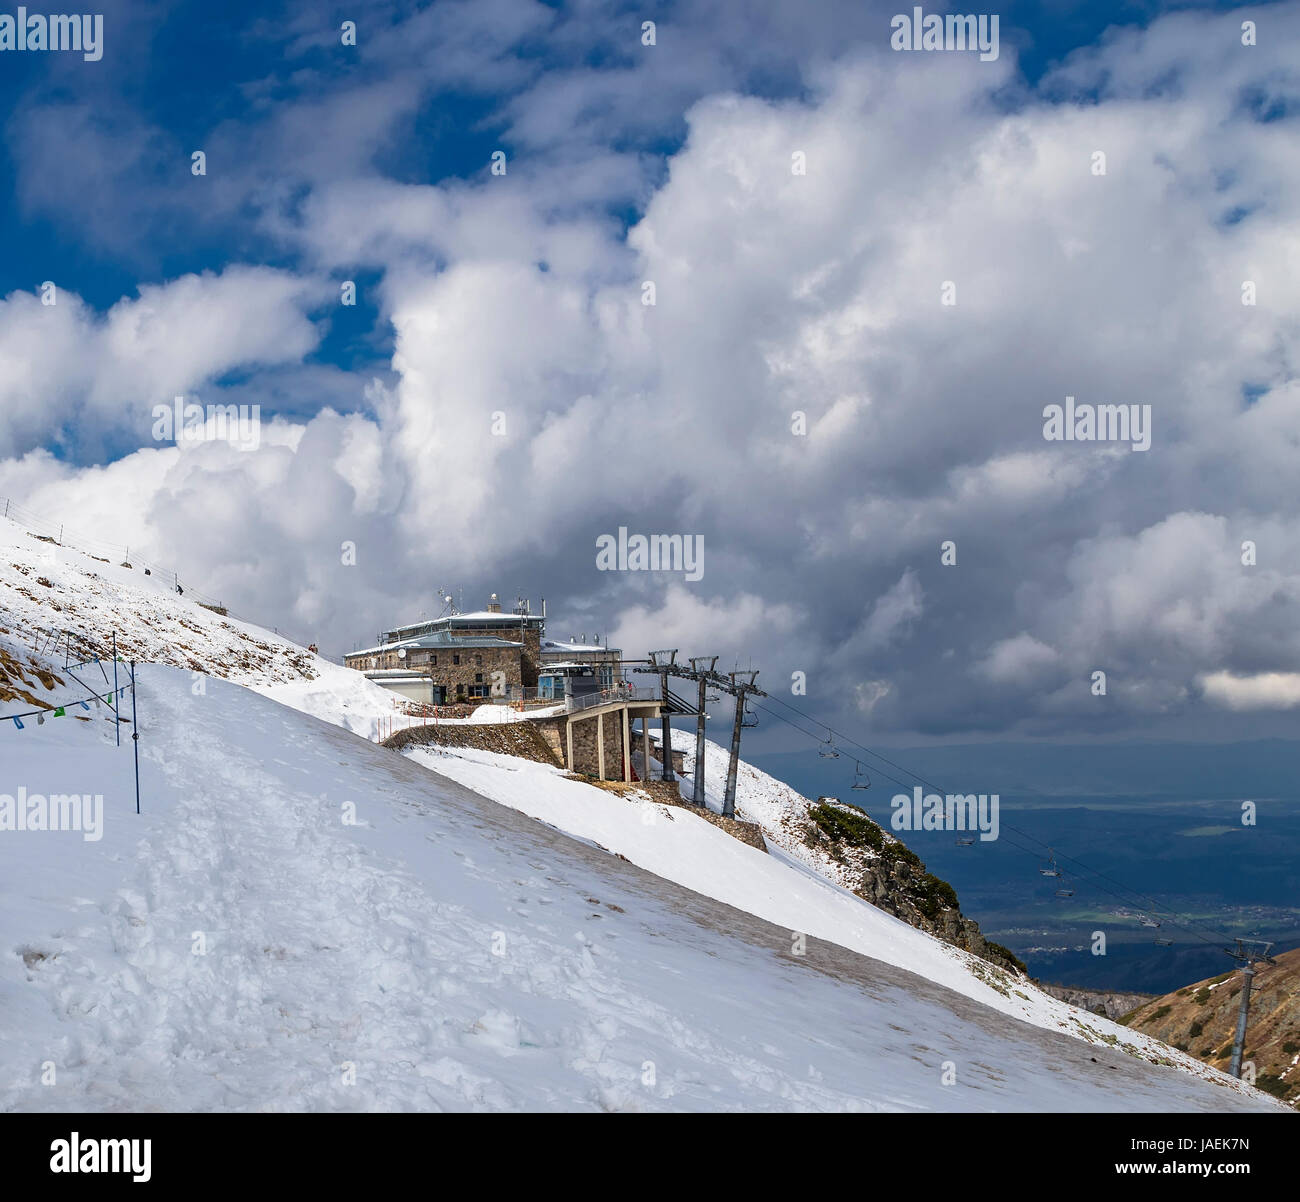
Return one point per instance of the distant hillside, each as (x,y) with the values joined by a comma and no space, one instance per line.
(1201,1019)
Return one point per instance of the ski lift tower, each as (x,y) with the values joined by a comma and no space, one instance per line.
(1249,953)
(664,664)
(740,689)
(665,668)
(705,676)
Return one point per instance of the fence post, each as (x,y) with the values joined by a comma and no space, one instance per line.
(117,699)
(135,739)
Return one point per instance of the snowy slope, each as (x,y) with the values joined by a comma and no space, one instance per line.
(444,952)
(251,802)
(681,847)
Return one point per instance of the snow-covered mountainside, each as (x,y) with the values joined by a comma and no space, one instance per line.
(300,918)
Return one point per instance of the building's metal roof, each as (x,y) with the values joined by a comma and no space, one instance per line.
(479,618)
(554,646)
(441,640)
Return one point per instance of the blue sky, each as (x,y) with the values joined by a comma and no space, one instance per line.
(778,293)
(178,71)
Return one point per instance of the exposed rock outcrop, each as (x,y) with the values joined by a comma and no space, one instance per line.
(1109,1003)
(892,877)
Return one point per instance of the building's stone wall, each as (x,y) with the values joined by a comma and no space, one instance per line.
(473,671)
(476,669)
(586,745)
(614,745)
(531,657)
(526,660)
(586,759)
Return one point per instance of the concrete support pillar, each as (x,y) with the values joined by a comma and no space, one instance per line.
(568,738)
(600,744)
(627,746)
(645,745)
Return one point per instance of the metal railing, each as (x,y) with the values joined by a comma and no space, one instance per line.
(520,695)
(608,697)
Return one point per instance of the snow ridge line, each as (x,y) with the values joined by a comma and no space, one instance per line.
(33,523)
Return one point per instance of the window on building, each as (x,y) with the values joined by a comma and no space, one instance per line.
(433,659)
(606,675)
(478,660)
(455,659)
(478,676)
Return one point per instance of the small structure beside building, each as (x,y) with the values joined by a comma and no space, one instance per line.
(678,753)
(579,660)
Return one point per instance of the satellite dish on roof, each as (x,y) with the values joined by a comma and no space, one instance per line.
(401,654)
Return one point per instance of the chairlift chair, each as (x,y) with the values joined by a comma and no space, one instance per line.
(1164,942)
(966,841)
(1067,892)
(1051,869)
(1149,922)
(748,719)
(860,778)
(827,750)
